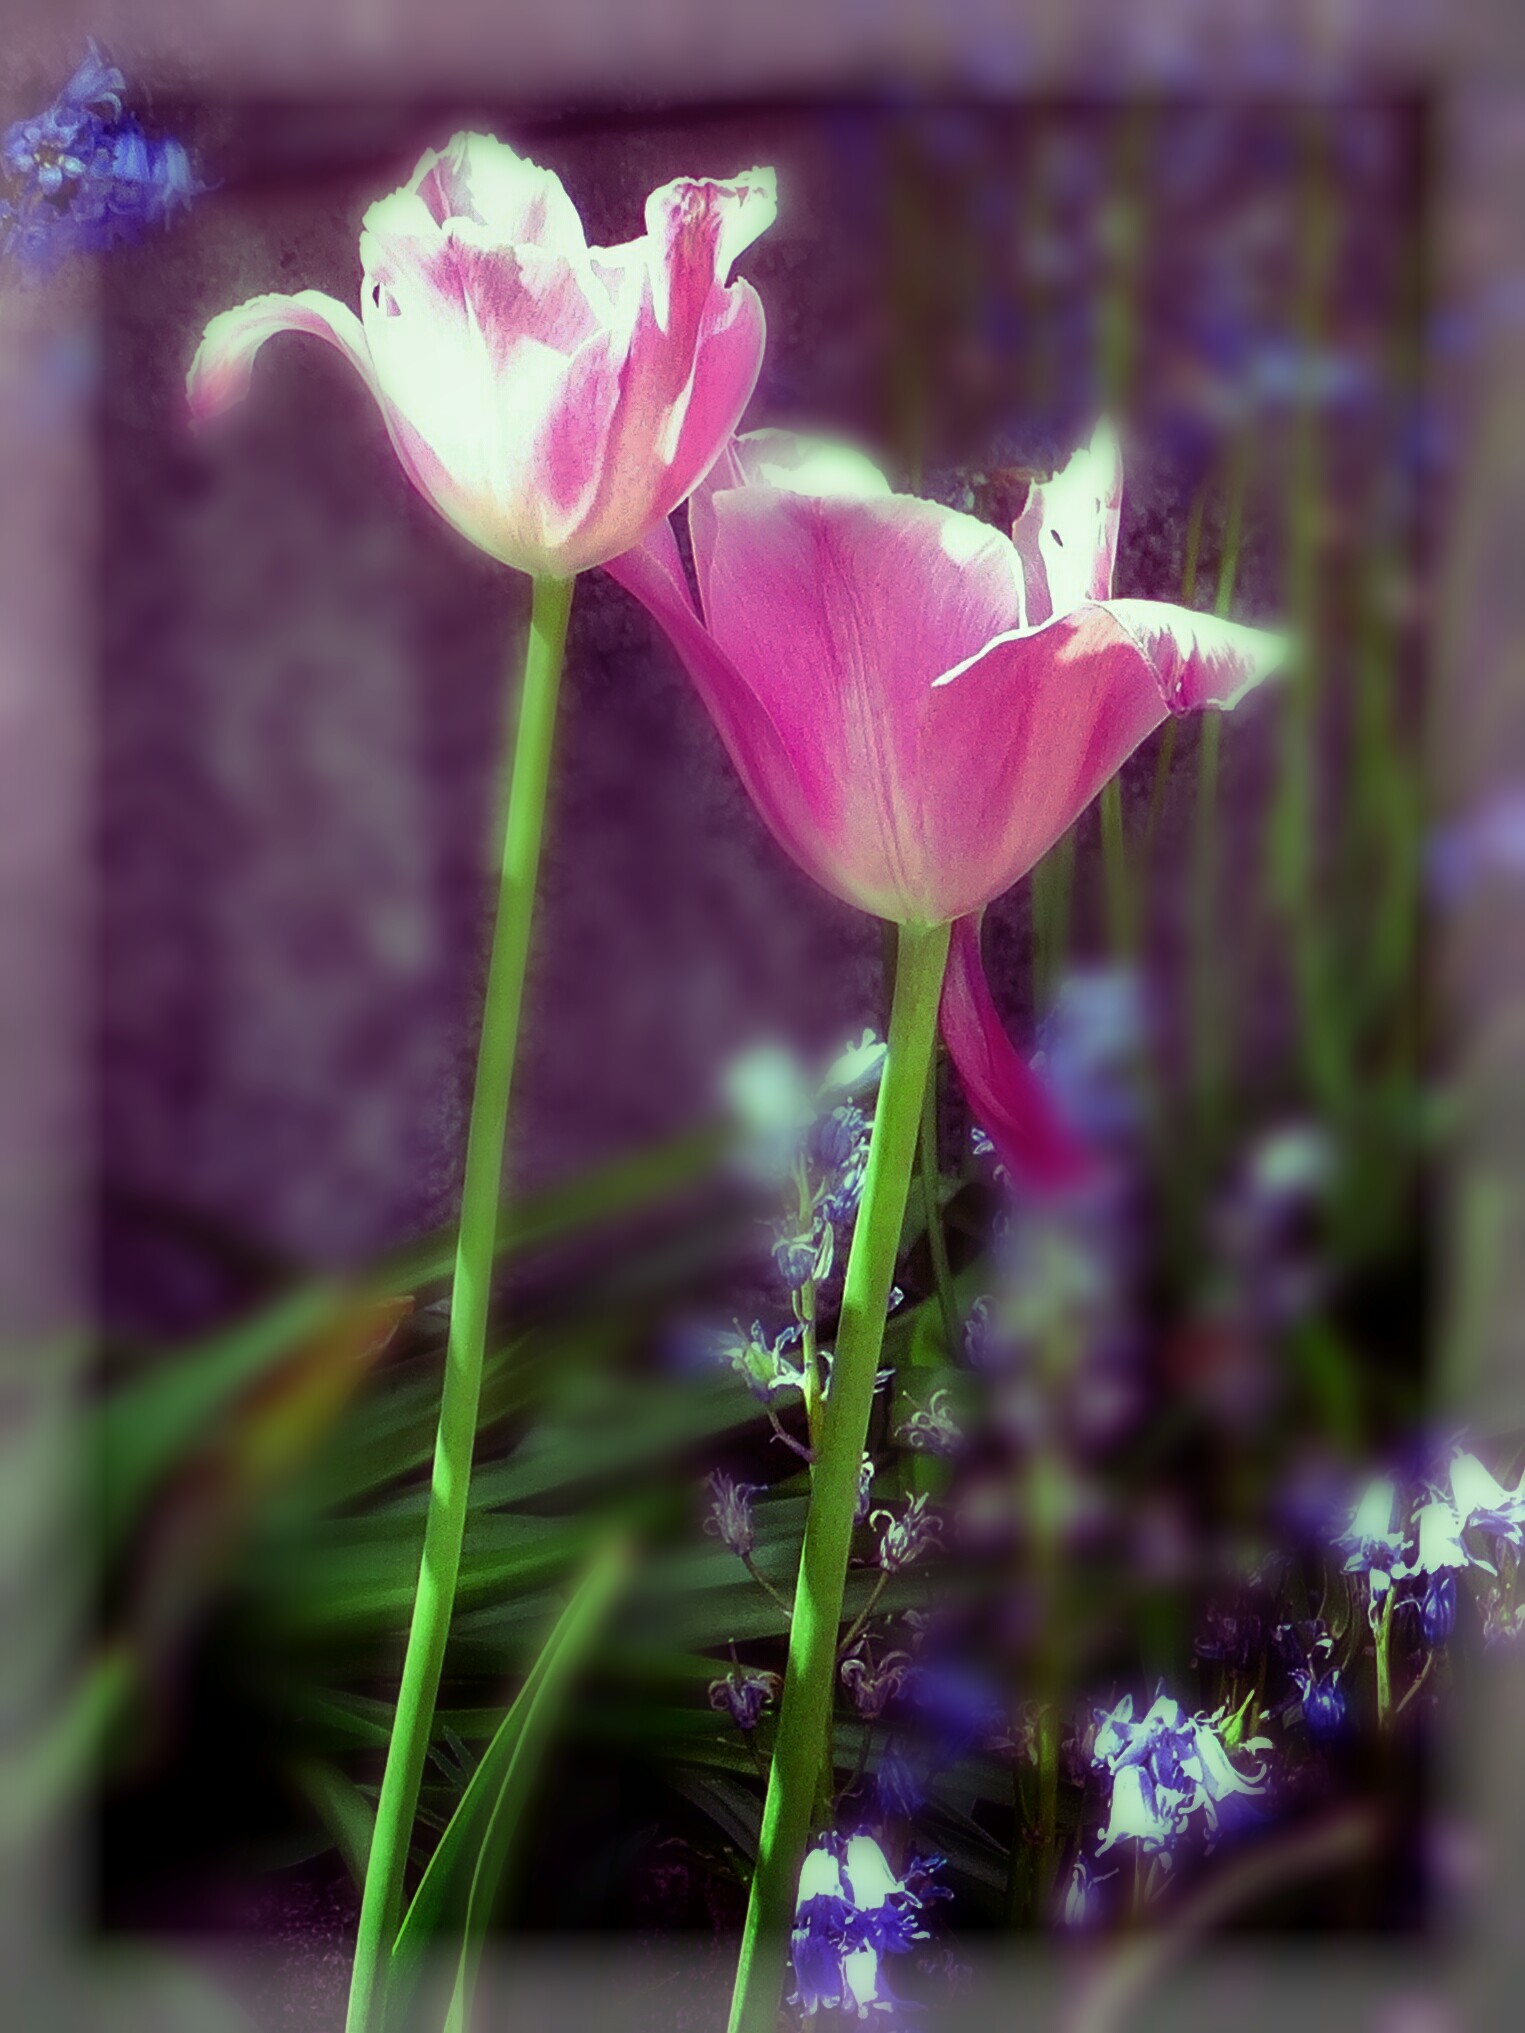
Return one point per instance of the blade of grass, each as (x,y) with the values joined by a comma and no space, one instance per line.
(462,1877)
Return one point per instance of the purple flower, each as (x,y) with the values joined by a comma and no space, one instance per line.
(730,1516)
(743,1695)
(873,1683)
(1324,1705)
(932,1429)
(903,1540)
(83,176)
(865,1489)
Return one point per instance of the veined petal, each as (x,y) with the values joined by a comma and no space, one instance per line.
(688,349)
(816,467)
(1005,1096)
(478,178)
(1198,660)
(697,226)
(219,374)
(1066,535)
(839,613)
(1051,714)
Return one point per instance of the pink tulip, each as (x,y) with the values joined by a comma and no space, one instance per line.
(554,401)
(920,706)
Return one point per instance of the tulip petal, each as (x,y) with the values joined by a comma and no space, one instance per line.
(1198,660)
(653,572)
(1007,1098)
(1066,535)
(219,374)
(480,179)
(1054,712)
(839,612)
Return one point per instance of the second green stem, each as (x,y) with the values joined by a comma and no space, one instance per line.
(810,1676)
(444,1529)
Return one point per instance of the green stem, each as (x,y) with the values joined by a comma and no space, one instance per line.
(1381,1635)
(937,1242)
(810,1676)
(381,1903)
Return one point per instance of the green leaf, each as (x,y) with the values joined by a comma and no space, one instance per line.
(457,1891)
(342,1808)
(147,1424)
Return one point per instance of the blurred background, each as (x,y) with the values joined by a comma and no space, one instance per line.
(1268,973)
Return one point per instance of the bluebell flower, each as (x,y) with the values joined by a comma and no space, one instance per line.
(795,1258)
(768,1093)
(730,1515)
(1373,1541)
(1089,1045)
(865,1489)
(1080,1907)
(978,1332)
(851,1911)
(840,1137)
(764,1366)
(1482,1503)
(82,176)
(1438,1547)
(743,1694)
(932,1428)
(1169,1770)
(905,1539)
(1437,1609)
(856,1071)
(1488,842)
(873,1682)
(1323,1699)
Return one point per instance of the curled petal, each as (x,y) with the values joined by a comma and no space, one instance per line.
(697,228)
(1066,535)
(1052,713)
(1198,660)
(478,178)
(219,374)
(1006,1097)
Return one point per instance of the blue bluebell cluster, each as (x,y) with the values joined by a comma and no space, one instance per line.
(851,1913)
(83,176)
(1172,1777)
(1410,1542)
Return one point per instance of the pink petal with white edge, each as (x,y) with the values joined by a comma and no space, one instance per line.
(219,374)
(1066,535)
(1008,1100)
(1024,734)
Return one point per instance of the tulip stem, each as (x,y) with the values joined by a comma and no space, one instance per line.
(439,1567)
(810,1676)
(937,1241)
